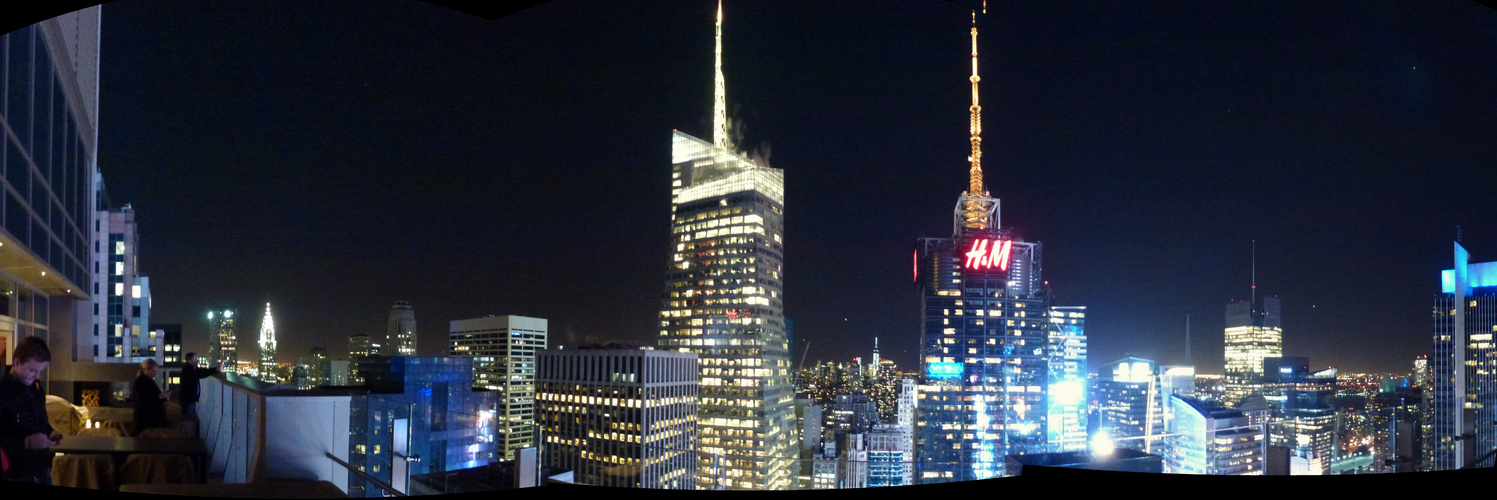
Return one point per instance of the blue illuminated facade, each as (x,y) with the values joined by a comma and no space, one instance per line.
(1067,392)
(984,341)
(422,407)
(1463,387)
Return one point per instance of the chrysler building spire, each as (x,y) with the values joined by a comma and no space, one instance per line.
(267,347)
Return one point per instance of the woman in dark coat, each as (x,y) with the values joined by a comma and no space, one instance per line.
(150,401)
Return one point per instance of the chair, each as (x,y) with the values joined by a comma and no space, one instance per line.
(157,468)
(126,427)
(163,433)
(92,471)
(102,432)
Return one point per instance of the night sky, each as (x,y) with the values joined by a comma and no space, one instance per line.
(335,157)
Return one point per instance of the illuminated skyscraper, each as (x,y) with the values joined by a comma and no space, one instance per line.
(359,345)
(122,308)
(1464,363)
(1305,419)
(984,337)
(1252,334)
(503,349)
(1212,440)
(267,347)
(223,346)
(401,335)
(1068,384)
(619,417)
(722,301)
(1128,396)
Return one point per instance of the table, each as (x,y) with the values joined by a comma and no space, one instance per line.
(288,489)
(121,448)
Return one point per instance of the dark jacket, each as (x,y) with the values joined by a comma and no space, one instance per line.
(150,409)
(189,390)
(23,412)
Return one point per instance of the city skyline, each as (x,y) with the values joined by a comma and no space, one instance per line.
(532,165)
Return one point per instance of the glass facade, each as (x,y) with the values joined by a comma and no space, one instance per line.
(503,350)
(1252,334)
(1212,441)
(401,331)
(984,339)
(1463,388)
(1129,404)
(1068,380)
(48,101)
(723,300)
(422,408)
(223,346)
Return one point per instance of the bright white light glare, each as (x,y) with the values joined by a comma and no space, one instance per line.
(1066,393)
(1102,445)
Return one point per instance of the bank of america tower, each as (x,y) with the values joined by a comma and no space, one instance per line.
(983,339)
(723,301)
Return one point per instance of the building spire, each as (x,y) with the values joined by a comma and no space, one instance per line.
(975,213)
(267,330)
(719,95)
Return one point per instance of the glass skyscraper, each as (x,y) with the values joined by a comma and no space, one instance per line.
(723,301)
(1252,334)
(984,337)
(49,99)
(503,350)
(1068,384)
(401,332)
(223,346)
(1464,363)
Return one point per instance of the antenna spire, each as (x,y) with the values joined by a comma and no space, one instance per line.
(719,95)
(975,212)
(1253,302)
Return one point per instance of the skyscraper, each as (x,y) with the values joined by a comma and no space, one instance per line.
(1464,363)
(223,346)
(119,336)
(1068,384)
(984,336)
(267,347)
(48,154)
(503,349)
(400,337)
(1212,440)
(359,345)
(723,301)
(620,417)
(1128,396)
(1305,418)
(1252,334)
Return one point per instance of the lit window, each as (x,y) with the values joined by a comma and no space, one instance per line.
(119,248)
(134,291)
(119,288)
(119,268)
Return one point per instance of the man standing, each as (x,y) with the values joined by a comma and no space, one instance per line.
(25,433)
(189,391)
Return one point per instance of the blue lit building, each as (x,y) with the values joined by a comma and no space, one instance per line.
(1068,384)
(1129,403)
(1212,440)
(419,407)
(1463,391)
(984,337)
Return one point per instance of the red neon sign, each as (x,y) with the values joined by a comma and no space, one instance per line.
(983,256)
